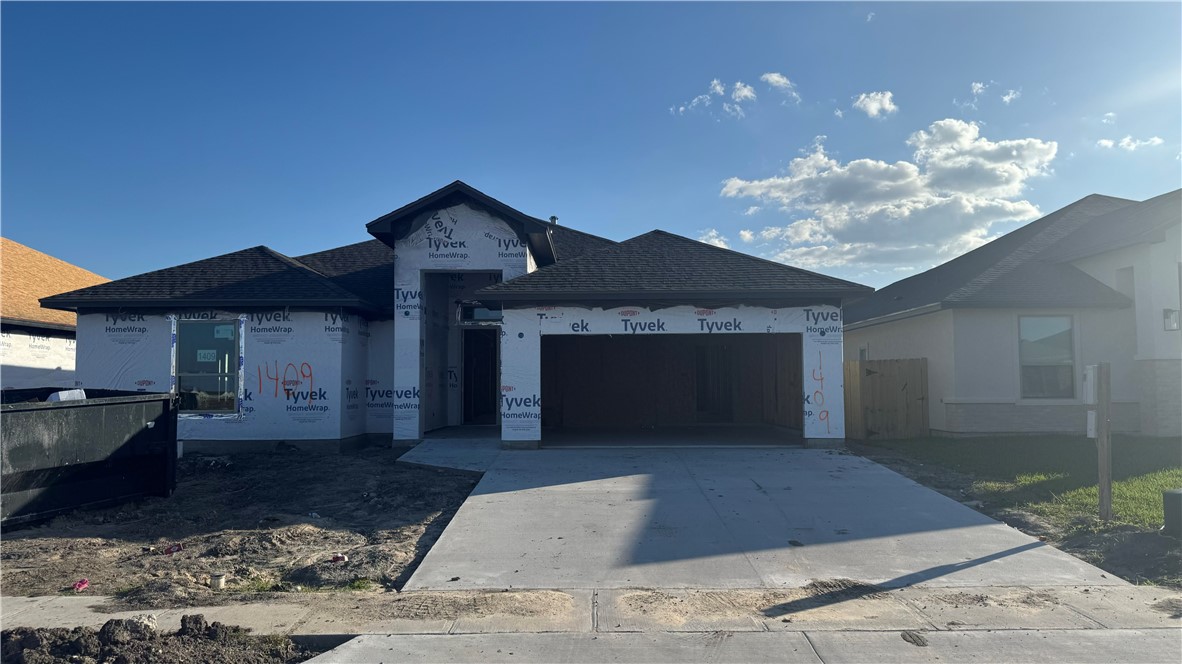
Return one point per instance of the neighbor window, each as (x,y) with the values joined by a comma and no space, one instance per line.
(207,366)
(1046,356)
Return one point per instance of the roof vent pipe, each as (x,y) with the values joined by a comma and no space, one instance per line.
(554,220)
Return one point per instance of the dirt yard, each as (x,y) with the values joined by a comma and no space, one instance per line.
(288,521)
(136,640)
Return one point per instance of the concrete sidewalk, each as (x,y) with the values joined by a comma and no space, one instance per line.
(1044,647)
(475,454)
(650,611)
(989,624)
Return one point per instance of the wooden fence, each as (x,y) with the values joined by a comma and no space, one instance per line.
(886,399)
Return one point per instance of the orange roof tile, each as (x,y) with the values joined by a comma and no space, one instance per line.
(26,275)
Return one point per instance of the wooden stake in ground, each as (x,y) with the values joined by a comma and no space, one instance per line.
(1104,438)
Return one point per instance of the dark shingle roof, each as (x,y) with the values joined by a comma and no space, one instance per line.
(1007,272)
(365,269)
(253,277)
(667,266)
(1132,224)
(570,243)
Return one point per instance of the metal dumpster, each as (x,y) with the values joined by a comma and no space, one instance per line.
(110,447)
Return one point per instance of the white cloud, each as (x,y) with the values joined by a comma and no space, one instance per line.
(870,17)
(712,236)
(742,92)
(701,101)
(746,236)
(868,212)
(1130,144)
(781,83)
(752,210)
(874,104)
(977,88)
(838,113)
(1109,118)
(1010,96)
(734,110)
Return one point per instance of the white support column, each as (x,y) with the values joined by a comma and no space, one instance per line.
(521,379)
(407,356)
(824,378)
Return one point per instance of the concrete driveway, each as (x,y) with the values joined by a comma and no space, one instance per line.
(724,518)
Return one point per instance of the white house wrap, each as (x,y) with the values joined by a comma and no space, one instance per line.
(465,311)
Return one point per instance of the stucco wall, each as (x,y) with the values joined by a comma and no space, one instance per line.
(929,336)
(987,393)
(1156,372)
(973,370)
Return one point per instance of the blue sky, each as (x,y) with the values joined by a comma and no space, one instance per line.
(138,136)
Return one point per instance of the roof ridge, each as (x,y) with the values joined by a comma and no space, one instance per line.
(568,262)
(575,230)
(756,258)
(1068,221)
(315,273)
(343,246)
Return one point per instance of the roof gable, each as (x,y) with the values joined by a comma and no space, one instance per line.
(26,275)
(254,277)
(662,265)
(534,232)
(999,273)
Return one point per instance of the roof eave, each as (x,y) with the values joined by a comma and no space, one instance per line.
(898,315)
(1056,304)
(639,295)
(28,322)
(163,303)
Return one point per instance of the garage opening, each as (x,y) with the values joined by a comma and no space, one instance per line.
(741,388)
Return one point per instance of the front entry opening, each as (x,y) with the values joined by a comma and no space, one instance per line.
(481,378)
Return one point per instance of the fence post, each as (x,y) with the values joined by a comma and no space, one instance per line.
(1104,438)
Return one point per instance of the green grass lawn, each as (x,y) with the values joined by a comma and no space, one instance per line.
(1055,477)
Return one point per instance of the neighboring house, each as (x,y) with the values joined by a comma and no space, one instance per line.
(1008,328)
(465,311)
(37,343)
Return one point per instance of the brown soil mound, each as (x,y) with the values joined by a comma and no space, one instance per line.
(136,641)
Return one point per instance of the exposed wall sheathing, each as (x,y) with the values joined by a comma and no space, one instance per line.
(455,238)
(303,373)
(125,352)
(36,360)
(354,370)
(379,378)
